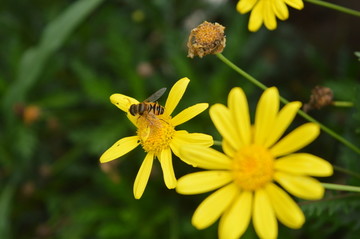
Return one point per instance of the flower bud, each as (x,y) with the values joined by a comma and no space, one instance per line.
(207,38)
(320,97)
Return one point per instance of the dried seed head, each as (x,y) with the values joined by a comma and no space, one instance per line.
(320,97)
(207,38)
(31,114)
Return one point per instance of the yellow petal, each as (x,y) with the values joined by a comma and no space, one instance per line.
(269,15)
(266,112)
(239,110)
(282,121)
(286,210)
(297,4)
(280,9)
(244,6)
(193,138)
(236,219)
(264,219)
(256,17)
(175,94)
(143,176)
(182,138)
(297,139)
(201,182)
(213,206)
(228,150)
(123,102)
(121,147)
(305,164)
(167,168)
(204,157)
(224,123)
(300,186)
(189,113)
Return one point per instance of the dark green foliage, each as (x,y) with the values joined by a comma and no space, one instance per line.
(66,58)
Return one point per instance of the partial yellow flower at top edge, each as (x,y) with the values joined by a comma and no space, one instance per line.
(256,169)
(156,133)
(266,11)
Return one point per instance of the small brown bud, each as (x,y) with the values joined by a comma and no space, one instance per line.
(320,97)
(52,123)
(28,188)
(207,38)
(109,169)
(45,170)
(44,231)
(31,114)
(19,109)
(145,69)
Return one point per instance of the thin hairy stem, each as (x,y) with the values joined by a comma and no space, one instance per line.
(335,7)
(283,100)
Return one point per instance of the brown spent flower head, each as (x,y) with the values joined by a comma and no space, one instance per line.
(31,114)
(28,113)
(320,97)
(207,38)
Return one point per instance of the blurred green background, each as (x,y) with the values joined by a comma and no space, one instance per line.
(61,60)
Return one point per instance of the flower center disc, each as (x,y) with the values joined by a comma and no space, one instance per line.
(155,132)
(253,167)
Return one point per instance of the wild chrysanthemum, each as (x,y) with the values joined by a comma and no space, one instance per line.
(157,136)
(257,167)
(266,11)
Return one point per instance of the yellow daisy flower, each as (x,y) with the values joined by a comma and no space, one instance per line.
(257,167)
(266,11)
(157,135)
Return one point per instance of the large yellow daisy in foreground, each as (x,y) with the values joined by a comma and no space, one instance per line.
(266,11)
(157,135)
(257,167)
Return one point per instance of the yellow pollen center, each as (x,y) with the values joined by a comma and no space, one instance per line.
(155,132)
(253,167)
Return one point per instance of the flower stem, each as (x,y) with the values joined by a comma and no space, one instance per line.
(330,132)
(341,187)
(335,7)
(346,171)
(217,142)
(241,72)
(283,100)
(343,104)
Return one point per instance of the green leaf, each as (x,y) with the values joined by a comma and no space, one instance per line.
(35,59)
(97,88)
(60,100)
(357,53)
(5,208)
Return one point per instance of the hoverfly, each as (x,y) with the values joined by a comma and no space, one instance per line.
(148,105)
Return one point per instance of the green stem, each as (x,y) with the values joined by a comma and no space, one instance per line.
(284,101)
(346,171)
(341,187)
(217,142)
(343,104)
(331,198)
(330,132)
(335,7)
(241,72)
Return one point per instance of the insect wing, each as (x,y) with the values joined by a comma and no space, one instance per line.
(156,95)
